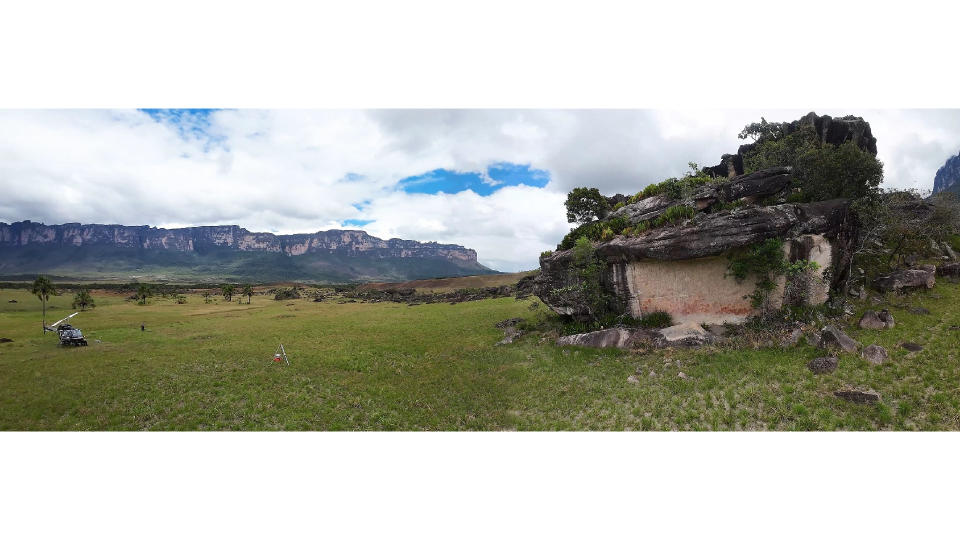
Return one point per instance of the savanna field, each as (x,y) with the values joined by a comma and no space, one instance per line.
(389,366)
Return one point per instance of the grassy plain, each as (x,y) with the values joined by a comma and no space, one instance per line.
(386,366)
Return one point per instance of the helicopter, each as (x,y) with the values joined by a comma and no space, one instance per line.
(68,334)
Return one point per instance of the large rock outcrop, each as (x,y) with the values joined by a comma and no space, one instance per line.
(681,268)
(827,129)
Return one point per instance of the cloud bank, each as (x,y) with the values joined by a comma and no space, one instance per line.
(288,171)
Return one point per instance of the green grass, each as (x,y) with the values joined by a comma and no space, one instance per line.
(385,366)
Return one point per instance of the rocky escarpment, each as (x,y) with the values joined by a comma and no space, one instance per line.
(830,130)
(232,237)
(948,176)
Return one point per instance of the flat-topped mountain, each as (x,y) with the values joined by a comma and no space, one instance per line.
(223,252)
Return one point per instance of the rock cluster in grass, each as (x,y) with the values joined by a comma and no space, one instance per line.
(680,335)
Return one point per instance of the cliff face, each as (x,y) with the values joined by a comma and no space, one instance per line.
(948,176)
(233,237)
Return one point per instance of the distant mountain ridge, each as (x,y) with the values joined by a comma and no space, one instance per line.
(948,176)
(225,251)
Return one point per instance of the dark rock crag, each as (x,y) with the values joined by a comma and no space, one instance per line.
(948,176)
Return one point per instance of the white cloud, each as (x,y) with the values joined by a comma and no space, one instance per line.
(287,171)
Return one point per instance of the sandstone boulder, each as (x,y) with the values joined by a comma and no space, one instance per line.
(832,337)
(877,321)
(824,364)
(921,276)
(875,354)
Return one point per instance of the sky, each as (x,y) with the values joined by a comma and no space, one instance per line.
(491,180)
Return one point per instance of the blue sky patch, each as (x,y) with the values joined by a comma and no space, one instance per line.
(356,222)
(189,123)
(499,176)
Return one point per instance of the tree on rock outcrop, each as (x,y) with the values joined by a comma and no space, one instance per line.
(585,205)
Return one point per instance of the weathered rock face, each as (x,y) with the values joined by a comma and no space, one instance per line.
(347,242)
(681,269)
(922,276)
(948,176)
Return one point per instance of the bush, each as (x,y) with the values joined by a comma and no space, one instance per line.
(657,319)
(764,260)
(287,294)
(673,215)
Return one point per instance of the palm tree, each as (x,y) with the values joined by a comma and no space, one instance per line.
(227,290)
(43,288)
(248,292)
(83,300)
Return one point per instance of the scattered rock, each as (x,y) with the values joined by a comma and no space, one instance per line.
(11,301)
(875,354)
(921,276)
(791,339)
(652,373)
(682,375)
(5,340)
(876,321)
(858,396)
(824,364)
(509,322)
(611,337)
(919,311)
(911,346)
(955,327)
(633,379)
(876,300)
(832,337)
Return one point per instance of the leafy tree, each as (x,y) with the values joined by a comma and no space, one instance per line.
(585,205)
(43,288)
(585,290)
(762,130)
(227,289)
(248,292)
(144,291)
(83,300)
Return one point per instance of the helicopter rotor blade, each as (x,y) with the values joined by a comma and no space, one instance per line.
(54,325)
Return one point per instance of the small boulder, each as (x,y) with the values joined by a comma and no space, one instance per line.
(832,337)
(633,379)
(919,311)
(5,340)
(824,364)
(11,301)
(911,346)
(509,322)
(791,339)
(858,396)
(876,321)
(920,276)
(652,373)
(682,375)
(685,334)
(949,269)
(875,354)
(611,337)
